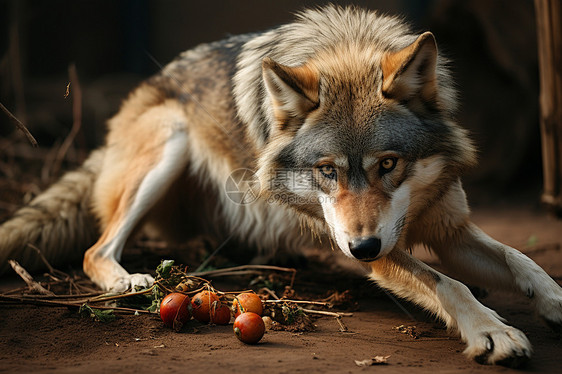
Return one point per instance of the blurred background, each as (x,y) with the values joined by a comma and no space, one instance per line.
(493,46)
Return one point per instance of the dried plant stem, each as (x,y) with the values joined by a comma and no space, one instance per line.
(28,279)
(320,303)
(240,268)
(325,313)
(105,297)
(84,296)
(20,126)
(270,293)
(52,270)
(234,292)
(246,269)
(52,303)
(343,327)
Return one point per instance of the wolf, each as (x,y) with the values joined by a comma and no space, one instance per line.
(344,121)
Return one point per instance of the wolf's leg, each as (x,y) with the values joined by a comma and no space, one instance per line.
(478,259)
(139,167)
(489,340)
(474,257)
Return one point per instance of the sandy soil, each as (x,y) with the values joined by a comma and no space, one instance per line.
(41,339)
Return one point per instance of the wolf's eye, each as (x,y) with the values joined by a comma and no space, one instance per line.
(328,171)
(387,164)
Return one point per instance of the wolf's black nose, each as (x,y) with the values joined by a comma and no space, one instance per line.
(366,248)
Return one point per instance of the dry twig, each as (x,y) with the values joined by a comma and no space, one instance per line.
(20,126)
(52,270)
(320,303)
(28,279)
(343,327)
(52,303)
(270,293)
(325,313)
(246,269)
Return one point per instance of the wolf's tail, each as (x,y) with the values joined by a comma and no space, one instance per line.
(59,221)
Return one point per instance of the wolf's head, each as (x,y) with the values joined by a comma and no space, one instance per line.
(360,138)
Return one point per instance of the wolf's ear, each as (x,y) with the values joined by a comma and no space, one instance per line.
(412,70)
(293,90)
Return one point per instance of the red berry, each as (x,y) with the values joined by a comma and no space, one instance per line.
(250,302)
(175,310)
(249,327)
(201,304)
(220,313)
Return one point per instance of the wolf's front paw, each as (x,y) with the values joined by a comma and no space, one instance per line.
(131,281)
(504,346)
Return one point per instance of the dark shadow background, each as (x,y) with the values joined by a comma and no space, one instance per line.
(492,45)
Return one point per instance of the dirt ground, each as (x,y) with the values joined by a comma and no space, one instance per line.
(43,339)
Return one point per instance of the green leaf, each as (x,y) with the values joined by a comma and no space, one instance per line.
(100,315)
(165,268)
(157,296)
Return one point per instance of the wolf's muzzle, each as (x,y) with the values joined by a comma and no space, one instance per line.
(365,248)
